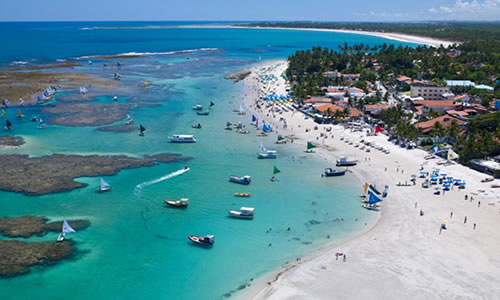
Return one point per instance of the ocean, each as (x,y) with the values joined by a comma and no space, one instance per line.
(136,248)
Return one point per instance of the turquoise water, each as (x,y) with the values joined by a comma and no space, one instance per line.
(138,248)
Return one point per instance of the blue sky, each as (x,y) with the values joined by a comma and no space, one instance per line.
(319,10)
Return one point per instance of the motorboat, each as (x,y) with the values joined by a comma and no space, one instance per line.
(343,162)
(203,113)
(182,203)
(197,126)
(206,241)
(329,172)
(182,138)
(242,194)
(241,180)
(243,213)
(197,107)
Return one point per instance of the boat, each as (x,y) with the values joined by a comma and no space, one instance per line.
(373,202)
(489,179)
(241,180)
(115,98)
(207,240)
(182,138)
(83,90)
(197,107)
(129,121)
(141,130)
(19,114)
(264,153)
(203,113)
(42,124)
(241,110)
(343,162)
(329,172)
(197,126)
(243,213)
(103,186)
(242,194)
(182,203)
(66,228)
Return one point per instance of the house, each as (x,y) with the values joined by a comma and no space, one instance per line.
(351,77)
(435,105)
(460,83)
(332,74)
(316,100)
(323,109)
(403,80)
(462,98)
(375,109)
(428,91)
(445,121)
(355,113)
(459,114)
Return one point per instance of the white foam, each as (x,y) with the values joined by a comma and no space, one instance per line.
(139,187)
(151,53)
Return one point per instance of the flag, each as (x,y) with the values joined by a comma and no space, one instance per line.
(276,170)
(310,145)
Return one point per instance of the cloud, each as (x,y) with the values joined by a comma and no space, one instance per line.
(472,9)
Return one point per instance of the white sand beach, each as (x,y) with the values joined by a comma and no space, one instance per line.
(403,255)
(401,37)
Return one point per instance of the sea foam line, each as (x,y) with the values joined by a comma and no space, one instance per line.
(151,53)
(139,187)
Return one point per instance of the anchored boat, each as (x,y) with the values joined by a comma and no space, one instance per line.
(65,229)
(197,107)
(242,194)
(182,203)
(243,213)
(329,172)
(103,186)
(264,153)
(241,180)
(182,138)
(207,240)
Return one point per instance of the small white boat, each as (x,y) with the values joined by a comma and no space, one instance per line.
(42,124)
(182,203)
(129,121)
(103,186)
(197,107)
(207,240)
(264,153)
(182,138)
(65,229)
(243,213)
(241,180)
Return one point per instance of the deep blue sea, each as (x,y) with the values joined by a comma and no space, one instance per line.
(136,248)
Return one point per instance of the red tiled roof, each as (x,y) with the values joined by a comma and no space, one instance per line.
(376,106)
(435,103)
(323,108)
(444,120)
(354,112)
(318,100)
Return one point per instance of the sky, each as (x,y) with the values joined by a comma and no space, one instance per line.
(254,10)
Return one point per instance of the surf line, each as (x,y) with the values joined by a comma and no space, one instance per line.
(140,186)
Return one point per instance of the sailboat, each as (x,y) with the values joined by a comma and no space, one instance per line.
(211,104)
(42,124)
(141,129)
(129,120)
(372,203)
(275,171)
(21,101)
(103,186)
(8,125)
(83,90)
(20,113)
(66,228)
(242,110)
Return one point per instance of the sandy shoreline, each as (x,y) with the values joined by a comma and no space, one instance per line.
(403,255)
(407,38)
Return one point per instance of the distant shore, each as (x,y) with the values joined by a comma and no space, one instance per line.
(407,38)
(405,252)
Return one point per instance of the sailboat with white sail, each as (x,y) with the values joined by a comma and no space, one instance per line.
(103,186)
(129,121)
(265,153)
(42,124)
(66,228)
(241,111)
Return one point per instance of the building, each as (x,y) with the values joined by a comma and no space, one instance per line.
(460,83)
(317,100)
(486,166)
(325,108)
(445,121)
(375,109)
(484,87)
(429,91)
(438,106)
(403,80)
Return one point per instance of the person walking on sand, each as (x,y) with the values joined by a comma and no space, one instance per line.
(451,215)
(465,219)
(345,256)
(474,226)
(479,204)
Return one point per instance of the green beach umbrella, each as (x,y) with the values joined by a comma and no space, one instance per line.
(310,145)
(276,170)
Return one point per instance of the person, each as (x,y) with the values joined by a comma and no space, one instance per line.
(479,204)
(421,212)
(345,256)
(465,219)
(474,226)
(451,215)
(466,197)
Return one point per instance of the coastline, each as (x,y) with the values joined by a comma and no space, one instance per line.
(402,251)
(407,38)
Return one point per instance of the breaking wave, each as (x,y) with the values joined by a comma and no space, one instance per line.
(127,54)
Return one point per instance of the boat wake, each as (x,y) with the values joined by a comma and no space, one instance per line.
(139,187)
(134,54)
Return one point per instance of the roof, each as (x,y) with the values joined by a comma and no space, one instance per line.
(459,83)
(457,112)
(354,112)
(376,106)
(403,78)
(484,87)
(460,97)
(323,108)
(444,120)
(318,100)
(435,103)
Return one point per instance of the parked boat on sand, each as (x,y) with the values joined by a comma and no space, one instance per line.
(329,172)
(343,162)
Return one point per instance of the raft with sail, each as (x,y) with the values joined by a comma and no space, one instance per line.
(103,186)
(66,228)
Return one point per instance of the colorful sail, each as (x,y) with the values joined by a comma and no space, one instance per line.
(19,113)
(452,155)
(276,170)
(3,113)
(373,198)
(310,145)
(266,128)
(366,188)
(372,189)
(66,228)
